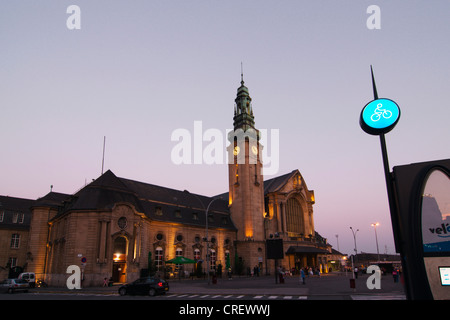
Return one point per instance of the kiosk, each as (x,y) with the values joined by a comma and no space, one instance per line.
(423,198)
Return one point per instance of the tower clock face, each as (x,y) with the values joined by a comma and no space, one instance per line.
(255,150)
(236,150)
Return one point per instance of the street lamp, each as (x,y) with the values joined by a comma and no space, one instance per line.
(354,239)
(375,225)
(337,239)
(206,231)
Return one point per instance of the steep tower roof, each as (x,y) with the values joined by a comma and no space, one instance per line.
(243,112)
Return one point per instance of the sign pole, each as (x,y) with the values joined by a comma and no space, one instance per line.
(378,117)
(388,177)
(390,193)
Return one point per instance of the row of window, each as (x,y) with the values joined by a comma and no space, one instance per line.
(17,217)
(197,239)
(159,256)
(159,212)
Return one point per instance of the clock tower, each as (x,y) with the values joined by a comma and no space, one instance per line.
(246,186)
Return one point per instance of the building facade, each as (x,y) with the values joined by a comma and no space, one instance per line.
(119,228)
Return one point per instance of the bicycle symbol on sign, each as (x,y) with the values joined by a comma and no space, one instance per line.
(378,112)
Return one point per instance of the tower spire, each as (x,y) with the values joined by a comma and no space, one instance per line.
(243,117)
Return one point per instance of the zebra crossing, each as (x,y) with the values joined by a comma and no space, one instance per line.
(234,296)
(225,296)
(378,297)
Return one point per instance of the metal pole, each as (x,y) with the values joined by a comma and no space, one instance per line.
(390,192)
(206,231)
(354,239)
(208,257)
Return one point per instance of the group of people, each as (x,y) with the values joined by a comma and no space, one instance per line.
(253,272)
(308,272)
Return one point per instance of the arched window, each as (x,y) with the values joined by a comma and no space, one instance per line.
(196,254)
(159,255)
(120,249)
(213,259)
(178,253)
(294,216)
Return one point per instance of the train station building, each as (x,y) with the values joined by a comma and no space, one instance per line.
(114,227)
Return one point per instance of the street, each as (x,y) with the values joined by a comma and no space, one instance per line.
(334,286)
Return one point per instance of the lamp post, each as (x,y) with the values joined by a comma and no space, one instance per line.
(206,230)
(354,239)
(375,225)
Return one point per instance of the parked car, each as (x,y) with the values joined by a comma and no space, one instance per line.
(29,277)
(13,285)
(150,286)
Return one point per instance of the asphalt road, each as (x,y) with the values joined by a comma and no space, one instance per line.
(327,287)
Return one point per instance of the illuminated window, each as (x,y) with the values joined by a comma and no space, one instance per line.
(159,254)
(212,259)
(294,216)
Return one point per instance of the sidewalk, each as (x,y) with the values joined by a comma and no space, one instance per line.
(328,284)
(333,284)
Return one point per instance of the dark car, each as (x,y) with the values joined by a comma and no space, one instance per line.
(150,286)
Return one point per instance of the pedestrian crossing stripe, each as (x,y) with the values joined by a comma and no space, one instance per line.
(229,296)
(378,297)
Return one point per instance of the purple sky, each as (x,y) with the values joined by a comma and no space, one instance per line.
(136,71)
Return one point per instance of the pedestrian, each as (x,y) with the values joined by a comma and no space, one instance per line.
(105,282)
(395,275)
(302,276)
(229,273)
